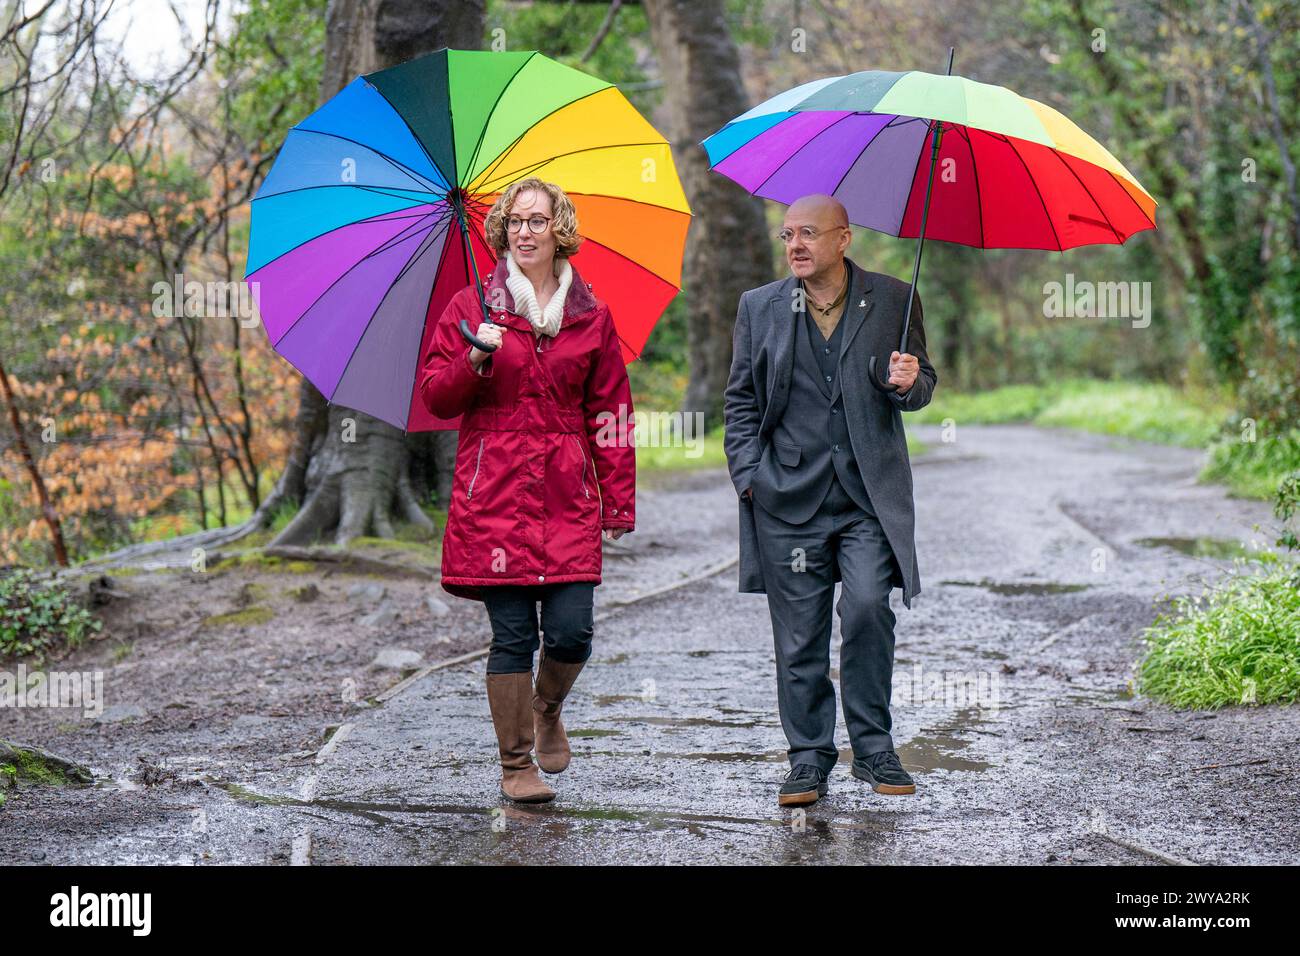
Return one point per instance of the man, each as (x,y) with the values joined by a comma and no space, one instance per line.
(819,459)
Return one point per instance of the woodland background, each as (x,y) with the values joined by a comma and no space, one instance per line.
(120,427)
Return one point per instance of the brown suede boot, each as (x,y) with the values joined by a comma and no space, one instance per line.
(510,700)
(554,679)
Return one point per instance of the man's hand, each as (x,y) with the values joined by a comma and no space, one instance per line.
(903,370)
(613,534)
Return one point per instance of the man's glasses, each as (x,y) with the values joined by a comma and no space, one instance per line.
(806,233)
(536,223)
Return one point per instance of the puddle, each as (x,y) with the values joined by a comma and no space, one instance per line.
(597,813)
(746,756)
(1225,548)
(609,700)
(1102,697)
(939,749)
(1049,587)
(371,810)
(593,733)
(693,722)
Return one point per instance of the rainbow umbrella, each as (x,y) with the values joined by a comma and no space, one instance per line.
(372,216)
(1013,174)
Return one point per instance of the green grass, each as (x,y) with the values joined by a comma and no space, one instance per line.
(1238,643)
(1010,403)
(659,450)
(1144,410)
(1254,469)
(1147,411)
(671,453)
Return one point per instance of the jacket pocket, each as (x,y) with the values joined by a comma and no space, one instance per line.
(478,462)
(788,455)
(582,452)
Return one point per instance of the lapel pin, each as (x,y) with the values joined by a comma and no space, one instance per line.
(862,304)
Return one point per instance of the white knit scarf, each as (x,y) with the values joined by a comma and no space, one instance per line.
(547,321)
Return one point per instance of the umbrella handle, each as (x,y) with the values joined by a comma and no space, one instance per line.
(883,386)
(473,339)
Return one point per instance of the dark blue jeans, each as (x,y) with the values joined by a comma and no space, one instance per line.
(567,623)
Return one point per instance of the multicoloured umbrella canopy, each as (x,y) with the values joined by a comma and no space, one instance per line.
(356,245)
(1012,172)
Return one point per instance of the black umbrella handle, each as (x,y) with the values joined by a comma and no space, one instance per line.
(458,206)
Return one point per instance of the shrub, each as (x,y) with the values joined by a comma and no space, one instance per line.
(38,617)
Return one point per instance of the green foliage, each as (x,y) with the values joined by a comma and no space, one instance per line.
(276,55)
(657,384)
(1179,93)
(38,617)
(1254,469)
(1286,506)
(1149,412)
(564,31)
(1236,644)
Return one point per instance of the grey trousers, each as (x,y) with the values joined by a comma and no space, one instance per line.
(798,571)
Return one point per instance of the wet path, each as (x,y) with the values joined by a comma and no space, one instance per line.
(1041,553)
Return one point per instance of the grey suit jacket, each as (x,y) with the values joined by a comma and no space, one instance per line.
(759,385)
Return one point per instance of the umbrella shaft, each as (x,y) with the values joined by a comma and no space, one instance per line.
(925,215)
(469,254)
(920,240)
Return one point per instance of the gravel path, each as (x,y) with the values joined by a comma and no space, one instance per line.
(1043,554)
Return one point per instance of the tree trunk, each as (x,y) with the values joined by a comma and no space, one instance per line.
(352,472)
(727,248)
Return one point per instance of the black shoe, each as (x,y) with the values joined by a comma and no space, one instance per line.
(884,772)
(803,784)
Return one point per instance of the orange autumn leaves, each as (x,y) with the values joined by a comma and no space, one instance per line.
(115,428)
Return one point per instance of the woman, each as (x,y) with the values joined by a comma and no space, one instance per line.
(545,464)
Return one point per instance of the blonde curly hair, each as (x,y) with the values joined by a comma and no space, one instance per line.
(564,222)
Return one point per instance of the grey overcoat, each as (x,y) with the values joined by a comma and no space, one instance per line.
(759,386)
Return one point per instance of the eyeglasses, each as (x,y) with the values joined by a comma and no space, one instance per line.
(537,223)
(806,233)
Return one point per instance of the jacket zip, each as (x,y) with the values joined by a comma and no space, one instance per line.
(477,462)
(584,466)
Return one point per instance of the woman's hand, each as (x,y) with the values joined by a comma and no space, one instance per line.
(613,534)
(490,334)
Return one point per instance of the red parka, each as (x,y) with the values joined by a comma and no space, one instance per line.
(539,469)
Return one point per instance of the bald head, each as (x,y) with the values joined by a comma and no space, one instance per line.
(819,231)
(820,208)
